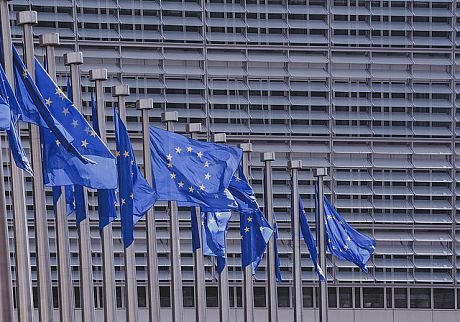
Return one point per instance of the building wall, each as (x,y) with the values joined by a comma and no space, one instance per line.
(367,89)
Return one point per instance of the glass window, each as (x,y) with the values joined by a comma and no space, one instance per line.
(284,297)
(189,297)
(345,297)
(119,293)
(357,297)
(443,298)
(165,296)
(259,297)
(307,296)
(332,297)
(239,296)
(389,298)
(420,298)
(55,298)
(373,297)
(76,296)
(212,296)
(142,296)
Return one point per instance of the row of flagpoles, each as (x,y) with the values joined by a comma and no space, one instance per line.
(239,193)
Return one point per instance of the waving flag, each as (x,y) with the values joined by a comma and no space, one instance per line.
(5,113)
(279,278)
(214,232)
(196,243)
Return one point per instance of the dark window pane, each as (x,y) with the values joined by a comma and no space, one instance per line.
(76,296)
(119,293)
(55,298)
(35,296)
(400,295)
(345,297)
(239,296)
(373,297)
(142,296)
(443,298)
(357,297)
(259,297)
(188,296)
(420,298)
(332,297)
(307,296)
(165,297)
(231,296)
(389,298)
(212,297)
(284,297)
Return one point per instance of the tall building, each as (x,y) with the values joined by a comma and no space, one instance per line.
(365,88)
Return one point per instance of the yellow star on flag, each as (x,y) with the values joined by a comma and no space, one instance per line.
(246,230)
(132,162)
(249,219)
(170,165)
(212,221)
(199,154)
(65,111)
(207,176)
(59,92)
(345,247)
(93,133)
(180,184)
(178,150)
(131,195)
(348,238)
(58,143)
(48,102)
(117,154)
(173,176)
(191,189)
(169,157)
(202,187)
(189,149)
(206,164)
(24,74)
(74,123)
(329,217)
(123,201)
(126,154)
(84,143)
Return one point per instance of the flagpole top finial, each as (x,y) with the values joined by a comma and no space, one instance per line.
(98,74)
(193,128)
(219,137)
(295,164)
(170,116)
(27,17)
(120,90)
(144,103)
(75,57)
(49,39)
(246,147)
(267,156)
(320,172)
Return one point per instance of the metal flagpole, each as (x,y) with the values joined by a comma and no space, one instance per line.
(174,238)
(320,173)
(145,105)
(224,301)
(267,158)
(248,293)
(110,309)
(120,91)
(198,269)
(74,59)
(6,284)
(45,310)
(66,309)
(294,166)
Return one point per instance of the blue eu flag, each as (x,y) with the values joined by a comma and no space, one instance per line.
(305,232)
(106,198)
(343,241)
(279,278)
(5,113)
(214,232)
(136,196)
(69,198)
(196,243)
(61,167)
(193,172)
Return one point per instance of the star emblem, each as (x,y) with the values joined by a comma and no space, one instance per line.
(58,143)
(132,162)
(191,189)
(87,130)
(173,175)
(131,195)
(180,184)
(169,157)
(84,143)
(246,230)
(59,92)
(48,102)
(126,154)
(178,150)
(117,154)
(202,187)
(93,133)
(65,111)
(189,149)
(212,221)
(329,217)
(74,123)
(24,74)
(237,178)
(199,154)
(348,238)
(123,201)
(250,219)
(206,164)
(207,176)
(170,165)
(345,247)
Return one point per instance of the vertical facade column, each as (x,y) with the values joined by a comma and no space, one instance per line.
(174,238)
(74,60)
(145,105)
(224,300)
(295,166)
(198,268)
(320,173)
(120,91)
(108,269)
(6,283)
(66,308)
(248,291)
(267,159)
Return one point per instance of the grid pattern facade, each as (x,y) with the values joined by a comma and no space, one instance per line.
(367,89)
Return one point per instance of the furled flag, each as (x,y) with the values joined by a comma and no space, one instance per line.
(193,172)
(33,108)
(106,198)
(305,232)
(69,198)
(279,278)
(254,229)
(344,241)
(196,243)
(5,113)
(61,167)
(136,196)
(214,232)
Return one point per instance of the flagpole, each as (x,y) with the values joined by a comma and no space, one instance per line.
(110,309)
(74,59)
(6,284)
(145,105)
(224,301)
(320,173)
(45,310)
(248,293)
(174,238)
(198,269)
(294,166)
(267,158)
(120,91)
(66,309)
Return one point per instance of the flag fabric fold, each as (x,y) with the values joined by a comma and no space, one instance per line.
(69,198)
(279,278)
(214,232)
(196,243)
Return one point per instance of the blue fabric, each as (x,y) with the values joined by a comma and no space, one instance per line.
(62,168)
(192,172)
(343,241)
(106,198)
(196,243)
(136,196)
(5,113)
(69,198)
(19,155)
(221,262)
(80,202)
(214,232)
(279,278)
(305,232)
